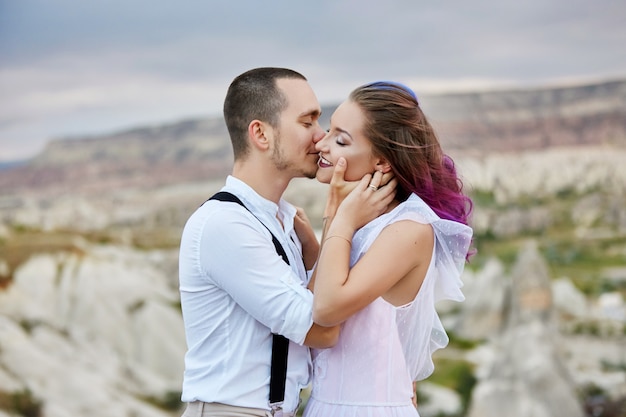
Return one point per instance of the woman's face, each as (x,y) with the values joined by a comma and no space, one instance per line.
(345,139)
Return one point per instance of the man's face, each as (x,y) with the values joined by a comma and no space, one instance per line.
(298,131)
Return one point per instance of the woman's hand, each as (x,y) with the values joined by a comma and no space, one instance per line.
(367,201)
(340,188)
(364,203)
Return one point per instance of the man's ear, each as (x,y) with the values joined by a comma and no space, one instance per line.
(257,132)
(383,166)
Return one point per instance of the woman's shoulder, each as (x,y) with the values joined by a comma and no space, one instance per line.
(412,209)
(409,234)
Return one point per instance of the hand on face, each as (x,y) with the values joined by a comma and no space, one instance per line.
(342,188)
(339,188)
(359,202)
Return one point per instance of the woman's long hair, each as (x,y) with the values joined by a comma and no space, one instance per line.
(400,133)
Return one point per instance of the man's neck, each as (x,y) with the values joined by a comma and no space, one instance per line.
(267,183)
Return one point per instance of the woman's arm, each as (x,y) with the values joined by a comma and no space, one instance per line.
(320,337)
(399,249)
(372,205)
(302,225)
(340,291)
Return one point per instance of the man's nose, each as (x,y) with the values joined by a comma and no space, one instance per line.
(319,134)
(319,144)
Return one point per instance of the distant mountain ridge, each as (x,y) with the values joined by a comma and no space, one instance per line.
(593,114)
(199,149)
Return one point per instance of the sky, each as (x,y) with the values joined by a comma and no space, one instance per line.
(80,68)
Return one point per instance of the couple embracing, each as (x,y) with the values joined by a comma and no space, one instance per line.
(268,309)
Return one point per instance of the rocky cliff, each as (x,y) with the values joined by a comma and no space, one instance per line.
(89,316)
(199,149)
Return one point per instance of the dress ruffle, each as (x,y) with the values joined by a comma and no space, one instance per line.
(383,348)
(418,320)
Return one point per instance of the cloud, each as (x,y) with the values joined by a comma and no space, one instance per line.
(96,66)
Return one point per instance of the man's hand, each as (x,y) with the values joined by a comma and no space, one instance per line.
(306,235)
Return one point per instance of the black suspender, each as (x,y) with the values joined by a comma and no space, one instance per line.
(280,344)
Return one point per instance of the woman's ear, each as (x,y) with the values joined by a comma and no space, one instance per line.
(383,166)
(257,132)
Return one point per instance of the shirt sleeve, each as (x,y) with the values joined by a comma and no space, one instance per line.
(238,256)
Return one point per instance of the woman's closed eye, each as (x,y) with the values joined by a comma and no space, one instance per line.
(339,141)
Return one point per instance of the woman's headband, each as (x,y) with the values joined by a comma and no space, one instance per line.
(389,85)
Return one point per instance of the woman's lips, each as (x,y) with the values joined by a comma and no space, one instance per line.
(324,163)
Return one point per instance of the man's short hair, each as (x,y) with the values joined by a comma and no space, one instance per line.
(254,95)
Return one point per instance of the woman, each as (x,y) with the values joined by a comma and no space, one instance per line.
(382,279)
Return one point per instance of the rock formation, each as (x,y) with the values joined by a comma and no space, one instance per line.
(97,333)
(89,230)
(526,377)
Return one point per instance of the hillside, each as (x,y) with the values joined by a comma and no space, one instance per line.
(90,230)
(199,149)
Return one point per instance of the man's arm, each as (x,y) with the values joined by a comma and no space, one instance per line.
(246,266)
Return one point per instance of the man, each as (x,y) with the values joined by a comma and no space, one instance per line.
(235,288)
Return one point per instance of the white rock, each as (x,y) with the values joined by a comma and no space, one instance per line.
(485,296)
(439,400)
(611,306)
(568,299)
(85,332)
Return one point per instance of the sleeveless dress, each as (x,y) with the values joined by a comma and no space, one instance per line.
(383,348)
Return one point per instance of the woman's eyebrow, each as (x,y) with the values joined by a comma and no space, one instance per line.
(344,131)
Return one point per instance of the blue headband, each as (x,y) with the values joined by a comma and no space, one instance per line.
(381,84)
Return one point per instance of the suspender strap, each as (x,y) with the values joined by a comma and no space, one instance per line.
(226,196)
(280,344)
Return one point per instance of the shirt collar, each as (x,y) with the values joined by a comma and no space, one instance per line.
(255,202)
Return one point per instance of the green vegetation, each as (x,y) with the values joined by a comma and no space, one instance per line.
(170,401)
(25,242)
(460,343)
(457,375)
(21,403)
(488,246)
(598,403)
(482,198)
(156,238)
(568,252)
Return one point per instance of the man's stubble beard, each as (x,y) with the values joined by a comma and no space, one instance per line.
(283,164)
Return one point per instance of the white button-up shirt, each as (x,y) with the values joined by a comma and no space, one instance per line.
(235,291)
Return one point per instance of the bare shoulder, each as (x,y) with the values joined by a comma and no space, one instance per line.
(406,238)
(409,230)
(409,246)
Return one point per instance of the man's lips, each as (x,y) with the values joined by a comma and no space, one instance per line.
(324,163)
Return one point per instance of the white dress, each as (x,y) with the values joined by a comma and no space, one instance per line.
(383,348)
